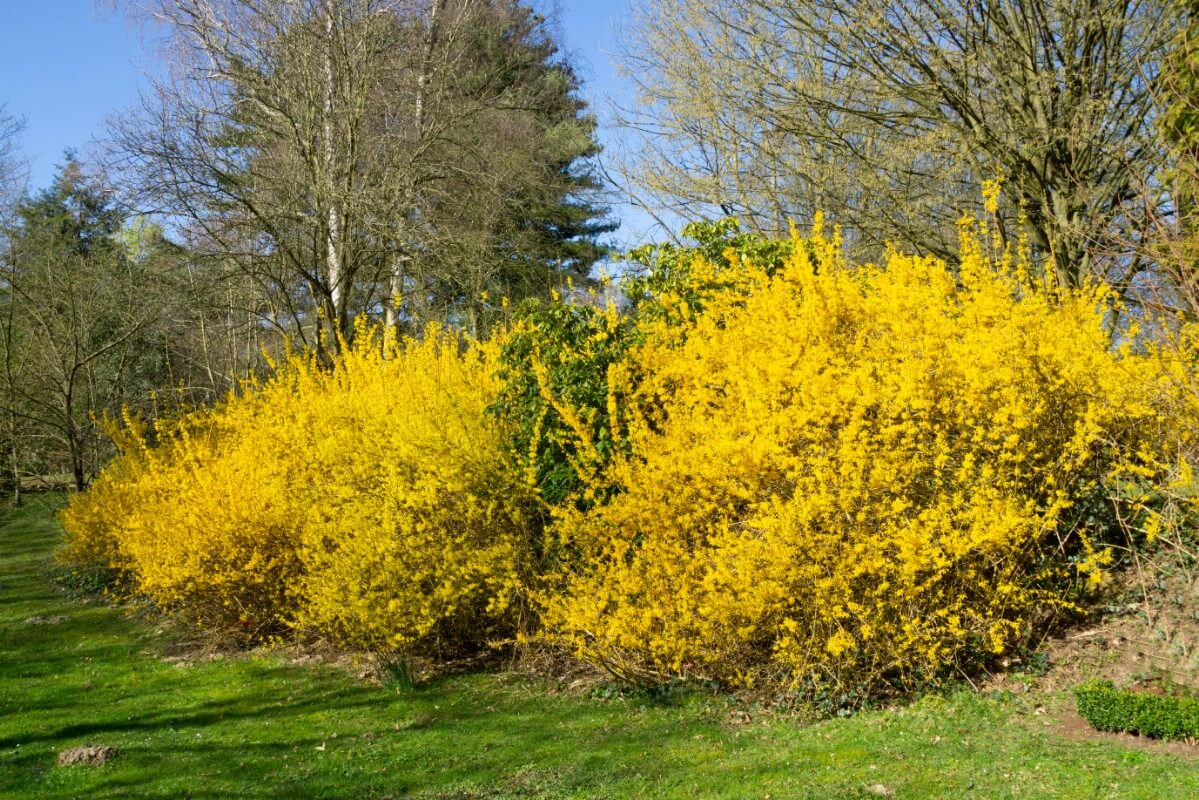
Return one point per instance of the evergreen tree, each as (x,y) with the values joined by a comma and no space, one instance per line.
(547,221)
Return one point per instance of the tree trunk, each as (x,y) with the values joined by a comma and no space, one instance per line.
(75,446)
(15,457)
(333,231)
(395,294)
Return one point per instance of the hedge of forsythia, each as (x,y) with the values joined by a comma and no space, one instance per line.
(373,503)
(773,465)
(849,476)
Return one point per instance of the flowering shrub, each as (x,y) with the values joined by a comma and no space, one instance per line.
(856,476)
(372,503)
(421,528)
(564,368)
(772,465)
(204,521)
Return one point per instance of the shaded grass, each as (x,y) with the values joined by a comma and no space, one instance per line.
(257,726)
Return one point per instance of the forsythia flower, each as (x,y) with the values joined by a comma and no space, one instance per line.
(854,474)
(798,470)
(373,503)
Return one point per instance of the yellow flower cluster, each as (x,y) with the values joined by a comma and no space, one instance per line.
(846,476)
(798,470)
(372,503)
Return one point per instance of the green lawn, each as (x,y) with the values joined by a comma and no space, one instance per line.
(257,726)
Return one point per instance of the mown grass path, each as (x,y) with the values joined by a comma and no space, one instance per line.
(258,726)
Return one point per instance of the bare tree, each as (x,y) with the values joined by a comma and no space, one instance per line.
(71,310)
(13,171)
(318,146)
(253,142)
(887,114)
(1177,227)
(12,188)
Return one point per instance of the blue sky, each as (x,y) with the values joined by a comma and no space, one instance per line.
(66,66)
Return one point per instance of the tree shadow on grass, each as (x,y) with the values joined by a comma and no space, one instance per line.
(253,727)
(331,741)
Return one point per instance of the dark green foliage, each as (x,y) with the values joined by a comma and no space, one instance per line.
(576,343)
(75,215)
(535,220)
(1157,716)
(554,221)
(576,347)
(661,269)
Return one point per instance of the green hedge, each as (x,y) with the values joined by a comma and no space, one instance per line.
(1162,717)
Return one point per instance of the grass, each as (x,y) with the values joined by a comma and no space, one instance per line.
(259,726)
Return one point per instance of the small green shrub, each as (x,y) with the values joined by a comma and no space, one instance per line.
(1159,716)
(84,580)
(396,672)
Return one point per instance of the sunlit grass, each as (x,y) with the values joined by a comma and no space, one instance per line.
(259,726)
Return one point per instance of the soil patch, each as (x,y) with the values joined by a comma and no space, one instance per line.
(1072,726)
(87,755)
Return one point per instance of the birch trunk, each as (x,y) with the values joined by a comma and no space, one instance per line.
(337,303)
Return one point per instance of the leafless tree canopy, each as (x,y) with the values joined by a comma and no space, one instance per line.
(334,151)
(13,173)
(887,115)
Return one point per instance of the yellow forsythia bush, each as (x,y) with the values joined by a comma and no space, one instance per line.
(372,503)
(844,476)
